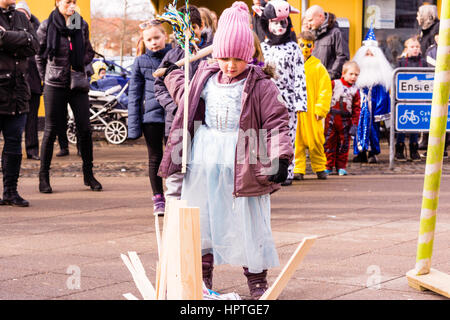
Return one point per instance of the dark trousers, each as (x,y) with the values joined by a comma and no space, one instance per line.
(56,100)
(413,137)
(12,128)
(155,139)
(62,134)
(31,126)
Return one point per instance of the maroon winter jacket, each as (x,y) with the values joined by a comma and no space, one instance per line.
(262,108)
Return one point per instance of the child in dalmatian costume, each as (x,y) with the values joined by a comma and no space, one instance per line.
(281,51)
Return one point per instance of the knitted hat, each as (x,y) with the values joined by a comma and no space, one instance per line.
(23,5)
(234,38)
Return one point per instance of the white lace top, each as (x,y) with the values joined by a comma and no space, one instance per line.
(223,104)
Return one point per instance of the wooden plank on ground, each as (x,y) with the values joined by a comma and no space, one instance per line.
(435,281)
(137,270)
(280,283)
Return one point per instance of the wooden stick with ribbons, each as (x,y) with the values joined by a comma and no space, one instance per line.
(199,55)
(185,36)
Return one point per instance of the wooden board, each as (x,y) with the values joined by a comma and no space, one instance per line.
(435,281)
(280,283)
(168,246)
(191,280)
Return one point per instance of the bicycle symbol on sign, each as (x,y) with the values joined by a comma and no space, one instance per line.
(409,116)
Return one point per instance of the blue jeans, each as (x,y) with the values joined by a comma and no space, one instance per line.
(413,137)
(12,127)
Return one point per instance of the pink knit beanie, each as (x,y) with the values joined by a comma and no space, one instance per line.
(234,38)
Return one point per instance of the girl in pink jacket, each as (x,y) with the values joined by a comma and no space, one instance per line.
(240,151)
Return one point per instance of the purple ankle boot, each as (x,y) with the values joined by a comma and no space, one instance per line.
(159,204)
(207,269)
(257,283)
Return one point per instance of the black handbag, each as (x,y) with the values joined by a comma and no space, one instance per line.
(79,81)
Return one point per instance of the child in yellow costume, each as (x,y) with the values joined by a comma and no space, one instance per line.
(310,131)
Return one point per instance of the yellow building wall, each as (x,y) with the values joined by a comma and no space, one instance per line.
(350,9)
(42,8)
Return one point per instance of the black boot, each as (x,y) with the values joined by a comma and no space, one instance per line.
(400,151)
(86,150)
(372,158)
(414,151)
(46,159)
(44,183)
(90,181)
(257,283)
(361,157)
(11,170)
(207,269)
(63,152)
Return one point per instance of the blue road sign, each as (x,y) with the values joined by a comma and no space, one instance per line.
(414,86)
(414,117)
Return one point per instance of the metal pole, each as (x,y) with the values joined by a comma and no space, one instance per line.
(436,141)
(392,125)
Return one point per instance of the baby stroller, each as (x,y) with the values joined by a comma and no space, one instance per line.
(108,115)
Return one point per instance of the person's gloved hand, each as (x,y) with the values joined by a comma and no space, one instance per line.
(353,130)
(282,174)
(170,66)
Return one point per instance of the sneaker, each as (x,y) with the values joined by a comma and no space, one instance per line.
(342,172)
(288,182)
(328,171)
(159,205)
(445,155)
(299,176)
(322,175)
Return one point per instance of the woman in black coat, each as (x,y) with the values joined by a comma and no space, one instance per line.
(64,49)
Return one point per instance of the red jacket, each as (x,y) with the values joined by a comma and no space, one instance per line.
(262,108)
(350,98)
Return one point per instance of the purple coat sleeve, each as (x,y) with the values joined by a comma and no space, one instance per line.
(275,119)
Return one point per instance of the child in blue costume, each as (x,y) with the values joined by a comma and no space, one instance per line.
(230,174)
(374,83)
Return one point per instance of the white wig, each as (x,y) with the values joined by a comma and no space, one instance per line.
(373,70)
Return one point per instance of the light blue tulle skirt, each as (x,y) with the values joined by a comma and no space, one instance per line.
(236,231)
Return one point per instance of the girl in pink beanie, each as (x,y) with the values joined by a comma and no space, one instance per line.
(239,153)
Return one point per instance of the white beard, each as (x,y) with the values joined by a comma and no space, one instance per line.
(373,70)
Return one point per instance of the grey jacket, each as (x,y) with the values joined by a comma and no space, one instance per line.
(330,47)
(56,72)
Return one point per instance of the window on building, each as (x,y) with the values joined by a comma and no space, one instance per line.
(394,21)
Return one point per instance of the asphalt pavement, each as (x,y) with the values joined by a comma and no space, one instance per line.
(67,245)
